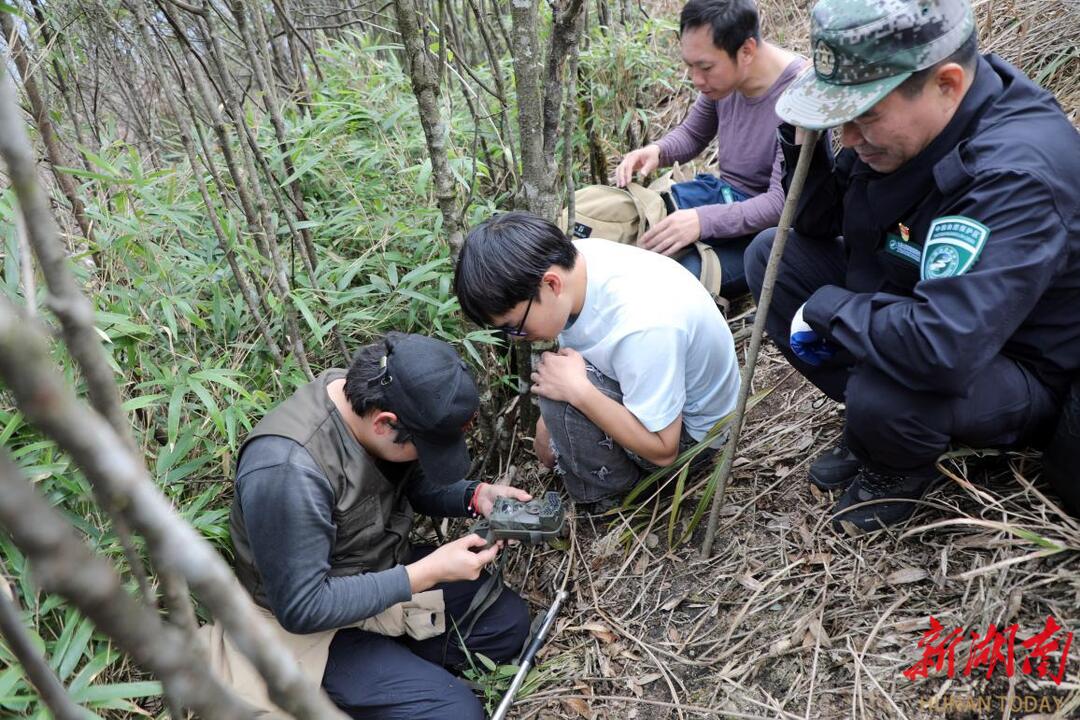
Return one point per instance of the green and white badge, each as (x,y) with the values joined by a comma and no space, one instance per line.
(952,246)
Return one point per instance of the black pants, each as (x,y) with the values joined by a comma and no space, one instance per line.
(889,426)
(375,677)
(730,252)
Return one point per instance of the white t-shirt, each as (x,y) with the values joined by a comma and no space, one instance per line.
(648,324)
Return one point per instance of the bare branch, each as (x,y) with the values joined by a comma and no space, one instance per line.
(44,123)
(241,277)
(63,565)
(51,691)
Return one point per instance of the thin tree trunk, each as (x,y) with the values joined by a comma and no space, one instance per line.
(60,73)
(49,688)
(259,223)
(426,89)
(500,83)
(44,125)
(65,299)
(294,41)
(536,184)
(278,268)
(570,121)
(270,101)
(242,281)
(566,30)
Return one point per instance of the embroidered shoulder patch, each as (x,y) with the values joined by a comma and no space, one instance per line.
(952,246)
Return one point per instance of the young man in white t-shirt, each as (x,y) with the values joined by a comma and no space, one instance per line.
(646,364)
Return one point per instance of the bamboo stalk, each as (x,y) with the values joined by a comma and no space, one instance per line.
(779,241)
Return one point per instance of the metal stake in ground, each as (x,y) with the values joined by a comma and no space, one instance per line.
(525,662)
(801,168)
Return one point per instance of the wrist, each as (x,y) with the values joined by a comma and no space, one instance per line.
(581,394)
(474,502)
(421,576)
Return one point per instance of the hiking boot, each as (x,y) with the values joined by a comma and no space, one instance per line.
(892,497)
(835,468)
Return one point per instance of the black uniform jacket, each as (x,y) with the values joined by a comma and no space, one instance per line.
(1001,273)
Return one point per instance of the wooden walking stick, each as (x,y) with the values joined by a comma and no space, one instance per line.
(801,168)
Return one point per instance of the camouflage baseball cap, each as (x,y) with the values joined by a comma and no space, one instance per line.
(865,48)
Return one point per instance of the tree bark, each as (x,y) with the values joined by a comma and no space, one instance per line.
(51,691)
(537,185)
(540,98)
(570,120)
(425,84)
(45,128)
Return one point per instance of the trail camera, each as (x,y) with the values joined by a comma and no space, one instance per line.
(532,522)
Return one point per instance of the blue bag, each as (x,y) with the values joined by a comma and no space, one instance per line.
(704,189)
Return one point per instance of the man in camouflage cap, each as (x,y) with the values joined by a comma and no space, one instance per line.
(932,275)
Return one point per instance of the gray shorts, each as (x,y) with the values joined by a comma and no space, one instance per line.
(589,462)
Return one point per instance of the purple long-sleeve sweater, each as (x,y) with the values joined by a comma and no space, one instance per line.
(748,155)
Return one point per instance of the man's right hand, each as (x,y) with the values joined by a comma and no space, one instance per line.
(643,161)
(462,559)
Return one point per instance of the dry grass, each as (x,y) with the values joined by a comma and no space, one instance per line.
(790,619)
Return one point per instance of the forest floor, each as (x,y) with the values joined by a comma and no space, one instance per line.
(790,619)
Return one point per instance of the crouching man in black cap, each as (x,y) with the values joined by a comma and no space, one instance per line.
(326,488)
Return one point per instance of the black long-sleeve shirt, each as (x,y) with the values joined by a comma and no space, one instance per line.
(288,505)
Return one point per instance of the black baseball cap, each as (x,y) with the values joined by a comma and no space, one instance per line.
(428,386)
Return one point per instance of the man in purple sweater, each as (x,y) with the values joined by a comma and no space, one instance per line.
(739,77)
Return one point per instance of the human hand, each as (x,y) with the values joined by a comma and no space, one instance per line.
(675,232)
(462,559)
(561,376)
(643,160)
(807,345)
(486,494)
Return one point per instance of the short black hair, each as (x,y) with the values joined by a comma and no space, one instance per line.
(362,394)
(733,22)
(964,56)
(503,260)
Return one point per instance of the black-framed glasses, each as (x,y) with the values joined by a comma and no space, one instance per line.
(519,331)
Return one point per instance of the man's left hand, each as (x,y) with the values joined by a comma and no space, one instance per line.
(810,347)
(561,376)
(669,236)
(486,494)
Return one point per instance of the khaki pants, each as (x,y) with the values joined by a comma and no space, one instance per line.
(421,617)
